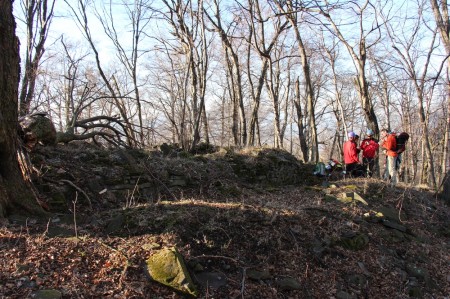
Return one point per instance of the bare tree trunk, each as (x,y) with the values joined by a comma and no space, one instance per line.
(15,194)
(255,93)
(441,15)
(301,129)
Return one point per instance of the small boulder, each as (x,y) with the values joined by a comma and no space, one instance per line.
(47,294)
(167,267)
(289,284)
(356,242)
(37,128)
(258,275)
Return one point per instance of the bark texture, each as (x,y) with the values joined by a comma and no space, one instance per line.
(14,192)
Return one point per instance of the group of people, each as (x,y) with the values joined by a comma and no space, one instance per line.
(369,147)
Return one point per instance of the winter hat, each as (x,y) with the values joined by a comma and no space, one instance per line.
(369,132)
(351,134)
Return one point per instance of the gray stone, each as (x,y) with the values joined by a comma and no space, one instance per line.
(258,275)
(47,294)
(392,214)
(115,224)
(288,284)
(394,225)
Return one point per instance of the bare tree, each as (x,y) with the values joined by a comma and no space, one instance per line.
(234,73)
(257,40)
(81,17)
(129,51)
(270,55)
(358,50)
(290,10)
(187,24)
(38,16)
(405,45)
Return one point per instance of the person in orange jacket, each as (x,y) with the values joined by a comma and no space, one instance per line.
(389,143)
(351,160)
(369,147)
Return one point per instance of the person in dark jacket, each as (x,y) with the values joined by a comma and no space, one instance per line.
(369,147)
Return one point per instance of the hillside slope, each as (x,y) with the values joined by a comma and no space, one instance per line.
(251,224)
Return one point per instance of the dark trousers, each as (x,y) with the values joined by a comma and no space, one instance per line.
(354,170)
(369,165)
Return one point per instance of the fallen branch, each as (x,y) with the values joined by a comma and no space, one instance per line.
(244,270)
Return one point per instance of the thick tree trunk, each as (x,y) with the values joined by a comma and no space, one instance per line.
(14,192)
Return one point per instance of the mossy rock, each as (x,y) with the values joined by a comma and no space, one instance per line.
(288,284)
(47,294)
(167,267)
(415,292)
(57,201)
(357,242)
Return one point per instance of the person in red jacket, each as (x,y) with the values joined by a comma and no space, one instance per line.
(389,143)
(369,147)
(351,160)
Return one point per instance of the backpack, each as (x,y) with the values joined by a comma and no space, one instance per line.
(320,170)
(401,139)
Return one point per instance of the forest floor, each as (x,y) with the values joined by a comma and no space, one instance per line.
(294,241)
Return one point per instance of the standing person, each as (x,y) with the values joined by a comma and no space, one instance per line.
(358,149)
(389,143)
(369,147)
(352,165)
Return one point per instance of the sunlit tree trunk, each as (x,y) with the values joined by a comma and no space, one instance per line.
(290,10)
(440,11)
(301,128)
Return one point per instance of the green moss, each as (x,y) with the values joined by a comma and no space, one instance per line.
(167,267)
(358,242)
